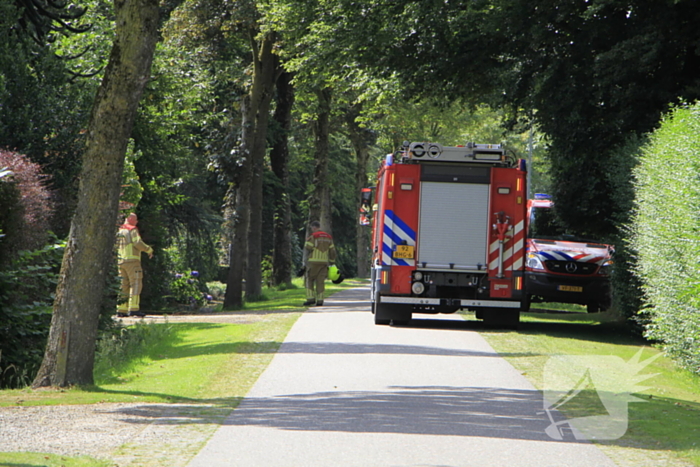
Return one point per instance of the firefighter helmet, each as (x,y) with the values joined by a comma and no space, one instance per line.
(333,273)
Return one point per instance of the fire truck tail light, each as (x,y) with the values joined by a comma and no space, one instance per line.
(385,277)
(418,276)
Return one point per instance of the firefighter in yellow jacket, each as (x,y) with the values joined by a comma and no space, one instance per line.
(321,253)
(129,248)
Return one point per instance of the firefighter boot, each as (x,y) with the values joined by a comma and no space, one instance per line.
(319,299)
(310,300)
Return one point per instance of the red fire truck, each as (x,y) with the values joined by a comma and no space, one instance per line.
(448,233)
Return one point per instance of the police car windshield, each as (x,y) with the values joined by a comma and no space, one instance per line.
(544,225)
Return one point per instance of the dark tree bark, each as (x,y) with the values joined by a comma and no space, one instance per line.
(70,350)
(266,73)
(319,200)
(245,257)
(238,218)
(279,160)
(361,140)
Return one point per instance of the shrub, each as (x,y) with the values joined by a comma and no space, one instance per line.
(26,294)
(666,234)
(25,205)
(186,289)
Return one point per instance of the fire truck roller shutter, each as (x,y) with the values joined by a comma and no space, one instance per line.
(454,225)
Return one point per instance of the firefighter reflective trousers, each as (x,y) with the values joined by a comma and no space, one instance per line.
(315,280)
(132,283)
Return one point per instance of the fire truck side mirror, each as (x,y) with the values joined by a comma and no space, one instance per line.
(366,206)
(366,200)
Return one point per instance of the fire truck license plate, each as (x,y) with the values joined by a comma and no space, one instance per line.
(404,252)
(570,288)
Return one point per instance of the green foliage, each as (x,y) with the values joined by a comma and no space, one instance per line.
(121,348)
(180,200)
(266,268)
(26,294)
(627,292)
(43,111)
(666,236)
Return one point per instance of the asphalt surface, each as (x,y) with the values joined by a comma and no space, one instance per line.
(344,392)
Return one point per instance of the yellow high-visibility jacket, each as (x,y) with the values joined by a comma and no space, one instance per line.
(129,244)
(320,247)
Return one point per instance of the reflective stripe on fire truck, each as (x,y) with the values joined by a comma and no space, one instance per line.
(513,255)
(396,232)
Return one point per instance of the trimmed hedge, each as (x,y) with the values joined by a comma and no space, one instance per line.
(666,234)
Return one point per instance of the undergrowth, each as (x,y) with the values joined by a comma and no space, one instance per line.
(128,345)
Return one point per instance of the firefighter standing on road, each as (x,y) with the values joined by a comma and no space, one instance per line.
(321,253)
(129,247)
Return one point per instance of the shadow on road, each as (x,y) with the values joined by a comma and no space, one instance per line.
(328,348)
(483,412)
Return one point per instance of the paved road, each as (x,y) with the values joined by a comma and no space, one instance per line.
(344,392)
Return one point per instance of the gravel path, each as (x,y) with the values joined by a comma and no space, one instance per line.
(128,434)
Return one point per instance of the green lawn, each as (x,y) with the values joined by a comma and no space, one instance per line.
(205,365)
(665,427)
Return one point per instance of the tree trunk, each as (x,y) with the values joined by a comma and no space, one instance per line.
(319,201)
(279,160)
(266,72)
(239,218)
(70,350)
(361,140)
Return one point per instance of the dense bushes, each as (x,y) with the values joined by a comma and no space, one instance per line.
(666,234)
(25,206)
(26,293)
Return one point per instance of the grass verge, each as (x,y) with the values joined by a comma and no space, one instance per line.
(663,428)
(203,368)
(28,459)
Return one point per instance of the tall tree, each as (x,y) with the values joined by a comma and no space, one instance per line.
(246,256)
(361,140)
(236,212)
(70,350)
(279,161)
(267,71)
(319,199)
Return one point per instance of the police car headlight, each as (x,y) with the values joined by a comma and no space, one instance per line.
(533,262)
(418,288)
(606,268)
